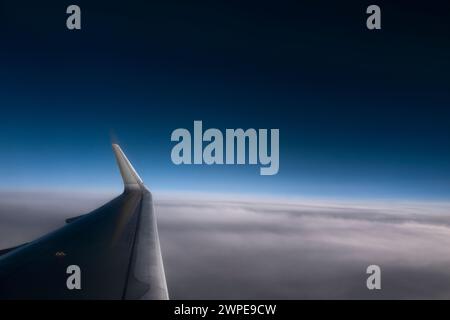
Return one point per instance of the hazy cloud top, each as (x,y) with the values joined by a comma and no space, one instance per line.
(222,248)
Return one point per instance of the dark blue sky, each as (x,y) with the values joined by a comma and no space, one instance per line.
(360,113)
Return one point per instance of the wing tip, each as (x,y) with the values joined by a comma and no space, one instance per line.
(130,177)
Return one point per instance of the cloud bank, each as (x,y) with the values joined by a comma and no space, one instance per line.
(254,249)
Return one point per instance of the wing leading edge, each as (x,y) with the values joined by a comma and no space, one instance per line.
(116,248)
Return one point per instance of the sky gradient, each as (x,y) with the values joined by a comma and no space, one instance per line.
(361,114)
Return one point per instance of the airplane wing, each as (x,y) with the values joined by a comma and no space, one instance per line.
(110,253)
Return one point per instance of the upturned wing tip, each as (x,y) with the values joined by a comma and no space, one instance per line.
(130,177)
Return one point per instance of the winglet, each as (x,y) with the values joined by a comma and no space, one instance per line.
(131,179)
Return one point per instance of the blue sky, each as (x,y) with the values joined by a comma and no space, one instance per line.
(360,114)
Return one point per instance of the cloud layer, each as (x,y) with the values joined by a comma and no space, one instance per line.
(255,249)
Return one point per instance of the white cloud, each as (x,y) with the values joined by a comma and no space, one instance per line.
(266,248)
